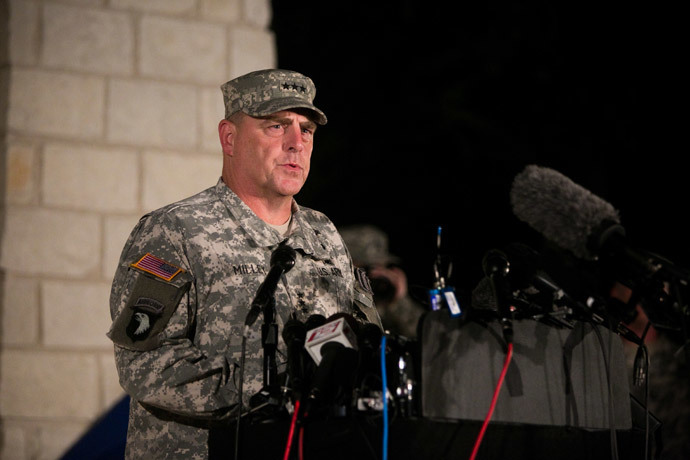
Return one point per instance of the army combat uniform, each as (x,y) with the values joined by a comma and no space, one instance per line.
(186,278)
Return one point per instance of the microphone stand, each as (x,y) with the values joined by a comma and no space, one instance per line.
(282,260)
(269,342)
(497,267)
(269,400)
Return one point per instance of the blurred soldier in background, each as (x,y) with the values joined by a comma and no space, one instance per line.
(368,246)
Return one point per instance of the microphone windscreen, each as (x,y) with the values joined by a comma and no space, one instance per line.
(483,297)
(561,210)
(314,321)
(294,330)
(284,257)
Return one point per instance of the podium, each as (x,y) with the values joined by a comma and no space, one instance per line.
(557,376)
(360,437)
(554,403)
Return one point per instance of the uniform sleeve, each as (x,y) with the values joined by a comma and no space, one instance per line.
(153,307)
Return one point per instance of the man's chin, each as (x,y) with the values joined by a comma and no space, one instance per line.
(290,187)
(289,191)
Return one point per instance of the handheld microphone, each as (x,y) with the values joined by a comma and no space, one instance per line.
(340,328)
(335,373)
(294,335)
(282,260)
(333,347)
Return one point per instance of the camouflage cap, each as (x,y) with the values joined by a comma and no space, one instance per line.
(264,92)
(368,245)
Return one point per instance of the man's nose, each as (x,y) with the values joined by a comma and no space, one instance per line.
(293,138)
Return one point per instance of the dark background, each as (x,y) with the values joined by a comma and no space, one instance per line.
(433,111)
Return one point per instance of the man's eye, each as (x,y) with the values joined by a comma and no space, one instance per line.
(307,134)
(276,129)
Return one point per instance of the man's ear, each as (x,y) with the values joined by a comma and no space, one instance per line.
(226,133)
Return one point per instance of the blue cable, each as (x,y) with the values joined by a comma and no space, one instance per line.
(385,399)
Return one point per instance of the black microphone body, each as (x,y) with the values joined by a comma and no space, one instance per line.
(334,377)
(496,267)
(282,260)
(333,345)
(294,334)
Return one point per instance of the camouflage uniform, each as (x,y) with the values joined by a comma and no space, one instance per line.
(178,313)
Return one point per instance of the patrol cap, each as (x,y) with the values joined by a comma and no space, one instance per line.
(368,245)
(264,92)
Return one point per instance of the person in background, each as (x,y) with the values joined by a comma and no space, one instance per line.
(666,383)
(368,246)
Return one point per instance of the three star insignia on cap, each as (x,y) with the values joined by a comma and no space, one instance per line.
(294,87)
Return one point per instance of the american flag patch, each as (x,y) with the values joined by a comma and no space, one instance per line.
(158,267)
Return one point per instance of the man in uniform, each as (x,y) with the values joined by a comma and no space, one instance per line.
(190,270)
(399,312)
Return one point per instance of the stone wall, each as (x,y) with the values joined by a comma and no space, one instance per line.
(109,109)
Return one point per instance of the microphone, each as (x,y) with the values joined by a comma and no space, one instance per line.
(334,375)
(294,335)
(282,260)
(369,343)
(497,268)
(483,297)
(576,220)
(340,327)
(529,278)
(333,347)
(314,321)
(562,211)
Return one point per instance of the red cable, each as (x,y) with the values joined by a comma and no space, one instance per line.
(301,443)
(292,431)
(509,355)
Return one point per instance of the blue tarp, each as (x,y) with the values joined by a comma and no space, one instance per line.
(106,439)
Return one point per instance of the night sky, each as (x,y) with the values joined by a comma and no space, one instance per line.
(432,112)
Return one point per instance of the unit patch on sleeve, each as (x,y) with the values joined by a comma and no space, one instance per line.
(363,280)
(148,310)
(158,267)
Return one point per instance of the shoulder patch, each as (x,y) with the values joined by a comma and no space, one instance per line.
(158,267)
(148,310)
(363,299)
(363,280)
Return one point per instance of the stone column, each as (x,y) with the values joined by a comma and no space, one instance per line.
(109,110)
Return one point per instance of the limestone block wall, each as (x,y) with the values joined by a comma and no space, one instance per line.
(108,109)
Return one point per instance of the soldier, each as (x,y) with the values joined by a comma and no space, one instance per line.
(190,270)
(368,246)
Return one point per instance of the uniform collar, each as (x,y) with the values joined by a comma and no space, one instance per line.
(303,236)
